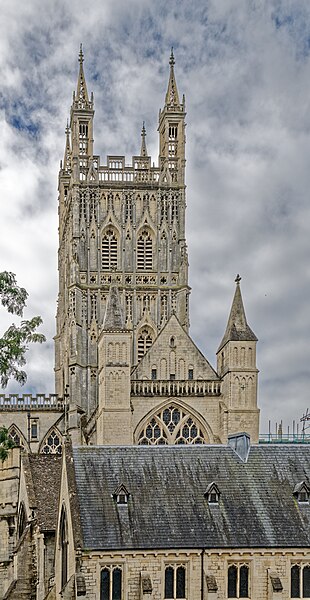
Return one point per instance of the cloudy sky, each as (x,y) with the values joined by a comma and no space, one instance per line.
(244,66)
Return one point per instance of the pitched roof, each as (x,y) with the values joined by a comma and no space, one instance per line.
(167,507)
(237,328)
(42,475)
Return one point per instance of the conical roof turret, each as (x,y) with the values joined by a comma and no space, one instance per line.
(172,96)
(237,328)
(113,319)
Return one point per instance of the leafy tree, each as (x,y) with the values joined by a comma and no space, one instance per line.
(6,443)
(14,342)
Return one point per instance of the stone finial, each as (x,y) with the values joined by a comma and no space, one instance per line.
(238,279)
(143,151)
(171,61)
(81,55)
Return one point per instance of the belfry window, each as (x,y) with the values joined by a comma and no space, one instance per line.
(111,583)
(300,581)
(238,581)
(144,252)
(83,137)
(175,581)
(109,250)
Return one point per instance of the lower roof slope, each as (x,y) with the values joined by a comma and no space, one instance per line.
(167,507)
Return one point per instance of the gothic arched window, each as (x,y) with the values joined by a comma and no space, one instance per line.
(111,583)
(172,425)
(17,436)
(63,546)
(52,443)
(145,340)
(238,581)
(144,251)
(109,250)
(22,520)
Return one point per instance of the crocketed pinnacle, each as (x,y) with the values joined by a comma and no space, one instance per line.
(113,319)
(81,90)
(237,327)
(172,96)
(67,155)
(143,151)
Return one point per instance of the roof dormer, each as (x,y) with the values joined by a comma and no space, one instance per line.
(212,493)
(302,492)
(121,495)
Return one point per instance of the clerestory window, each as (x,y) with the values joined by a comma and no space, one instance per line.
(175,581)
(111,583)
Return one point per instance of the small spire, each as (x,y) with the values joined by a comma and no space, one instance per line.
(237,328)
(67,155)
(172,96)
(81,96)
(143,151)
(113,319)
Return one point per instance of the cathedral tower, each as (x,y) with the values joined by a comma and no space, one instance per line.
(121,223)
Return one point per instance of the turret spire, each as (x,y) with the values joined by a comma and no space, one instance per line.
(81,97)
(143,151)
(172,96)
(237,327)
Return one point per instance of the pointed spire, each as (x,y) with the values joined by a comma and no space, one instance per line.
(81,97)
(113,319)
(172,96)
(143,151)
(67,155)
(237,327)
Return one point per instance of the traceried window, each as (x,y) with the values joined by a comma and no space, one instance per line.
(175,581)
(171,425)
(109,250)
(238,581)
(52,443)
(300,581)
(16,436)
(111,583)
(144,252)
(145,341)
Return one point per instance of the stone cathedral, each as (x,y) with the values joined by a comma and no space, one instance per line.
(142,478)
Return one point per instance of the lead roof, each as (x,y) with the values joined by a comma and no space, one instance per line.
(167,507)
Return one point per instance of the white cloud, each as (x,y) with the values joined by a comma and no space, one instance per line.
(245,69)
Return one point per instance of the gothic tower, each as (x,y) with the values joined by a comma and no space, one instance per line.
(125,223)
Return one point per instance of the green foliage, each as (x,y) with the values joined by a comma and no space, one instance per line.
(14,342)
(6,443)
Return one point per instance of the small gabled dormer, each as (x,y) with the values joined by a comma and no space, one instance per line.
(302,492)
(121,495)
(212,493)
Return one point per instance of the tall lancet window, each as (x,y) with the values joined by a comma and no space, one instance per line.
(145,340)
(109,250)
(145,252)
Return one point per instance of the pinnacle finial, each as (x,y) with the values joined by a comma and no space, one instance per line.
(67,130)
(238,279)
(143,142)
(81,55)
(171,61)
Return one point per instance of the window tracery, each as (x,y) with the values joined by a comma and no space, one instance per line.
(17,436)
(52,443)
(171,425)
(145,340)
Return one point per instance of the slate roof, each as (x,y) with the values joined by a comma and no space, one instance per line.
(43,476)
(167,507)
